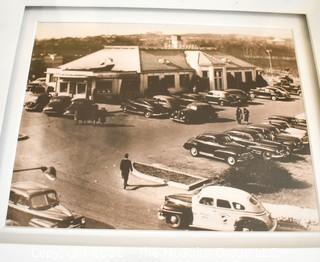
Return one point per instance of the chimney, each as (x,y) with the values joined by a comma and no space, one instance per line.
(176,41)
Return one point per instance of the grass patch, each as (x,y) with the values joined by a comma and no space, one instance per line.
(165,174)
(260,176)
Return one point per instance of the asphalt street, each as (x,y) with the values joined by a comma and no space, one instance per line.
(87,160)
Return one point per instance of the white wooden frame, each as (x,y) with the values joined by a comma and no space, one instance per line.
(11,22)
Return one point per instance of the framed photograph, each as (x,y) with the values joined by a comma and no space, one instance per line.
(142,126)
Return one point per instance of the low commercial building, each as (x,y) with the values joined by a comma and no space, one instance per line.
(130,71)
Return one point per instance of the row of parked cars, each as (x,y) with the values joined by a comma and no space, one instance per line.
(277,138)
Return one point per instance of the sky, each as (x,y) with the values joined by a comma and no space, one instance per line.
(60,30)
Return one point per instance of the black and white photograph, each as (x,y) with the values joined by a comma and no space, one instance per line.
(163,127)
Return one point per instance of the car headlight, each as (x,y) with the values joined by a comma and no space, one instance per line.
(83,220)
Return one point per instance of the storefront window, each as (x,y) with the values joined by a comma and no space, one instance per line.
(81,88)
(63,87)
(184,81)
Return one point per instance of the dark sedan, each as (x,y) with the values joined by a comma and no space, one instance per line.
(57,105)
(272,133)
(241,95)
(292,121)
(76,104)
(194,113)
(269,92)
(145,106)
(187,98)
(254,140)
(219,146)
(169,102)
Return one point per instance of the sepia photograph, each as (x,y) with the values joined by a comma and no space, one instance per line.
(163,127)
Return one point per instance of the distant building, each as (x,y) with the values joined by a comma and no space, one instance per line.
(130,71)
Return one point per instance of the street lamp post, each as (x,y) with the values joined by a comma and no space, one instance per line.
(50,172)
(270,62)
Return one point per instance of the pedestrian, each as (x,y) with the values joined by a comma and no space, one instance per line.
(246,114)
(125,168)
(94,114)
(102,115)
(239,115)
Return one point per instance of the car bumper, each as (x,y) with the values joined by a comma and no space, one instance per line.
(280,155)
(160,114)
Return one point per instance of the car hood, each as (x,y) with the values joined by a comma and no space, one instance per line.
(58,213)
(296,131)
(185,199)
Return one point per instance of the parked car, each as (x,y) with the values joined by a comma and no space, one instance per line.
(194,112)
(264,148)
(241,95)
(222,98)
(292,121)
(272,133)
(286,129)
(145,106)
(57,105)
(76,103)
(268,92)
(37,102)
(187,98)
(169,102)
(33,204)
(217,208)
(219,146)
(292,89)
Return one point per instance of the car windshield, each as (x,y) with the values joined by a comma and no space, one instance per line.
(44,201)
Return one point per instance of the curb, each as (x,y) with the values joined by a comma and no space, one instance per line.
(189,187)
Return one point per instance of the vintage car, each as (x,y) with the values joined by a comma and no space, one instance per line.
(195,112)
(145,106)
(272,133)
(169,102)
(37,101)
(33,204)
(76,103)
(187,98)
(292,89)
(217,208)
(222,98)
(219,146)
(260,146)
(292,121)
(241,95)
(269,92)
(57,105)
(285,128)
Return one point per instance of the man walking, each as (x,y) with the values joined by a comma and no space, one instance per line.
(239,115)
(246,114)
(125,168)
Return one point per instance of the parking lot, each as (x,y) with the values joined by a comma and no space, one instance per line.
(87,161)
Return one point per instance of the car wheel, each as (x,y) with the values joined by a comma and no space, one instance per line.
(194,151)
(231,160)
(266,155)
(273,98)
(175,220)
(147,114)
(124,109)
(221,103)
(250,225)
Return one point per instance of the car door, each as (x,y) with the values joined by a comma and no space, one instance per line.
(224,215)
(204,212)
(205,145)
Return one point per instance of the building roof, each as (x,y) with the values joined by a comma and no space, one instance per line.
(163,60)
(229,60)
(111,58)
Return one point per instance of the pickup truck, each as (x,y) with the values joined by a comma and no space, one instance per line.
(217,208)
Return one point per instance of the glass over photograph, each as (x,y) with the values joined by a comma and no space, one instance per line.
(163,127)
